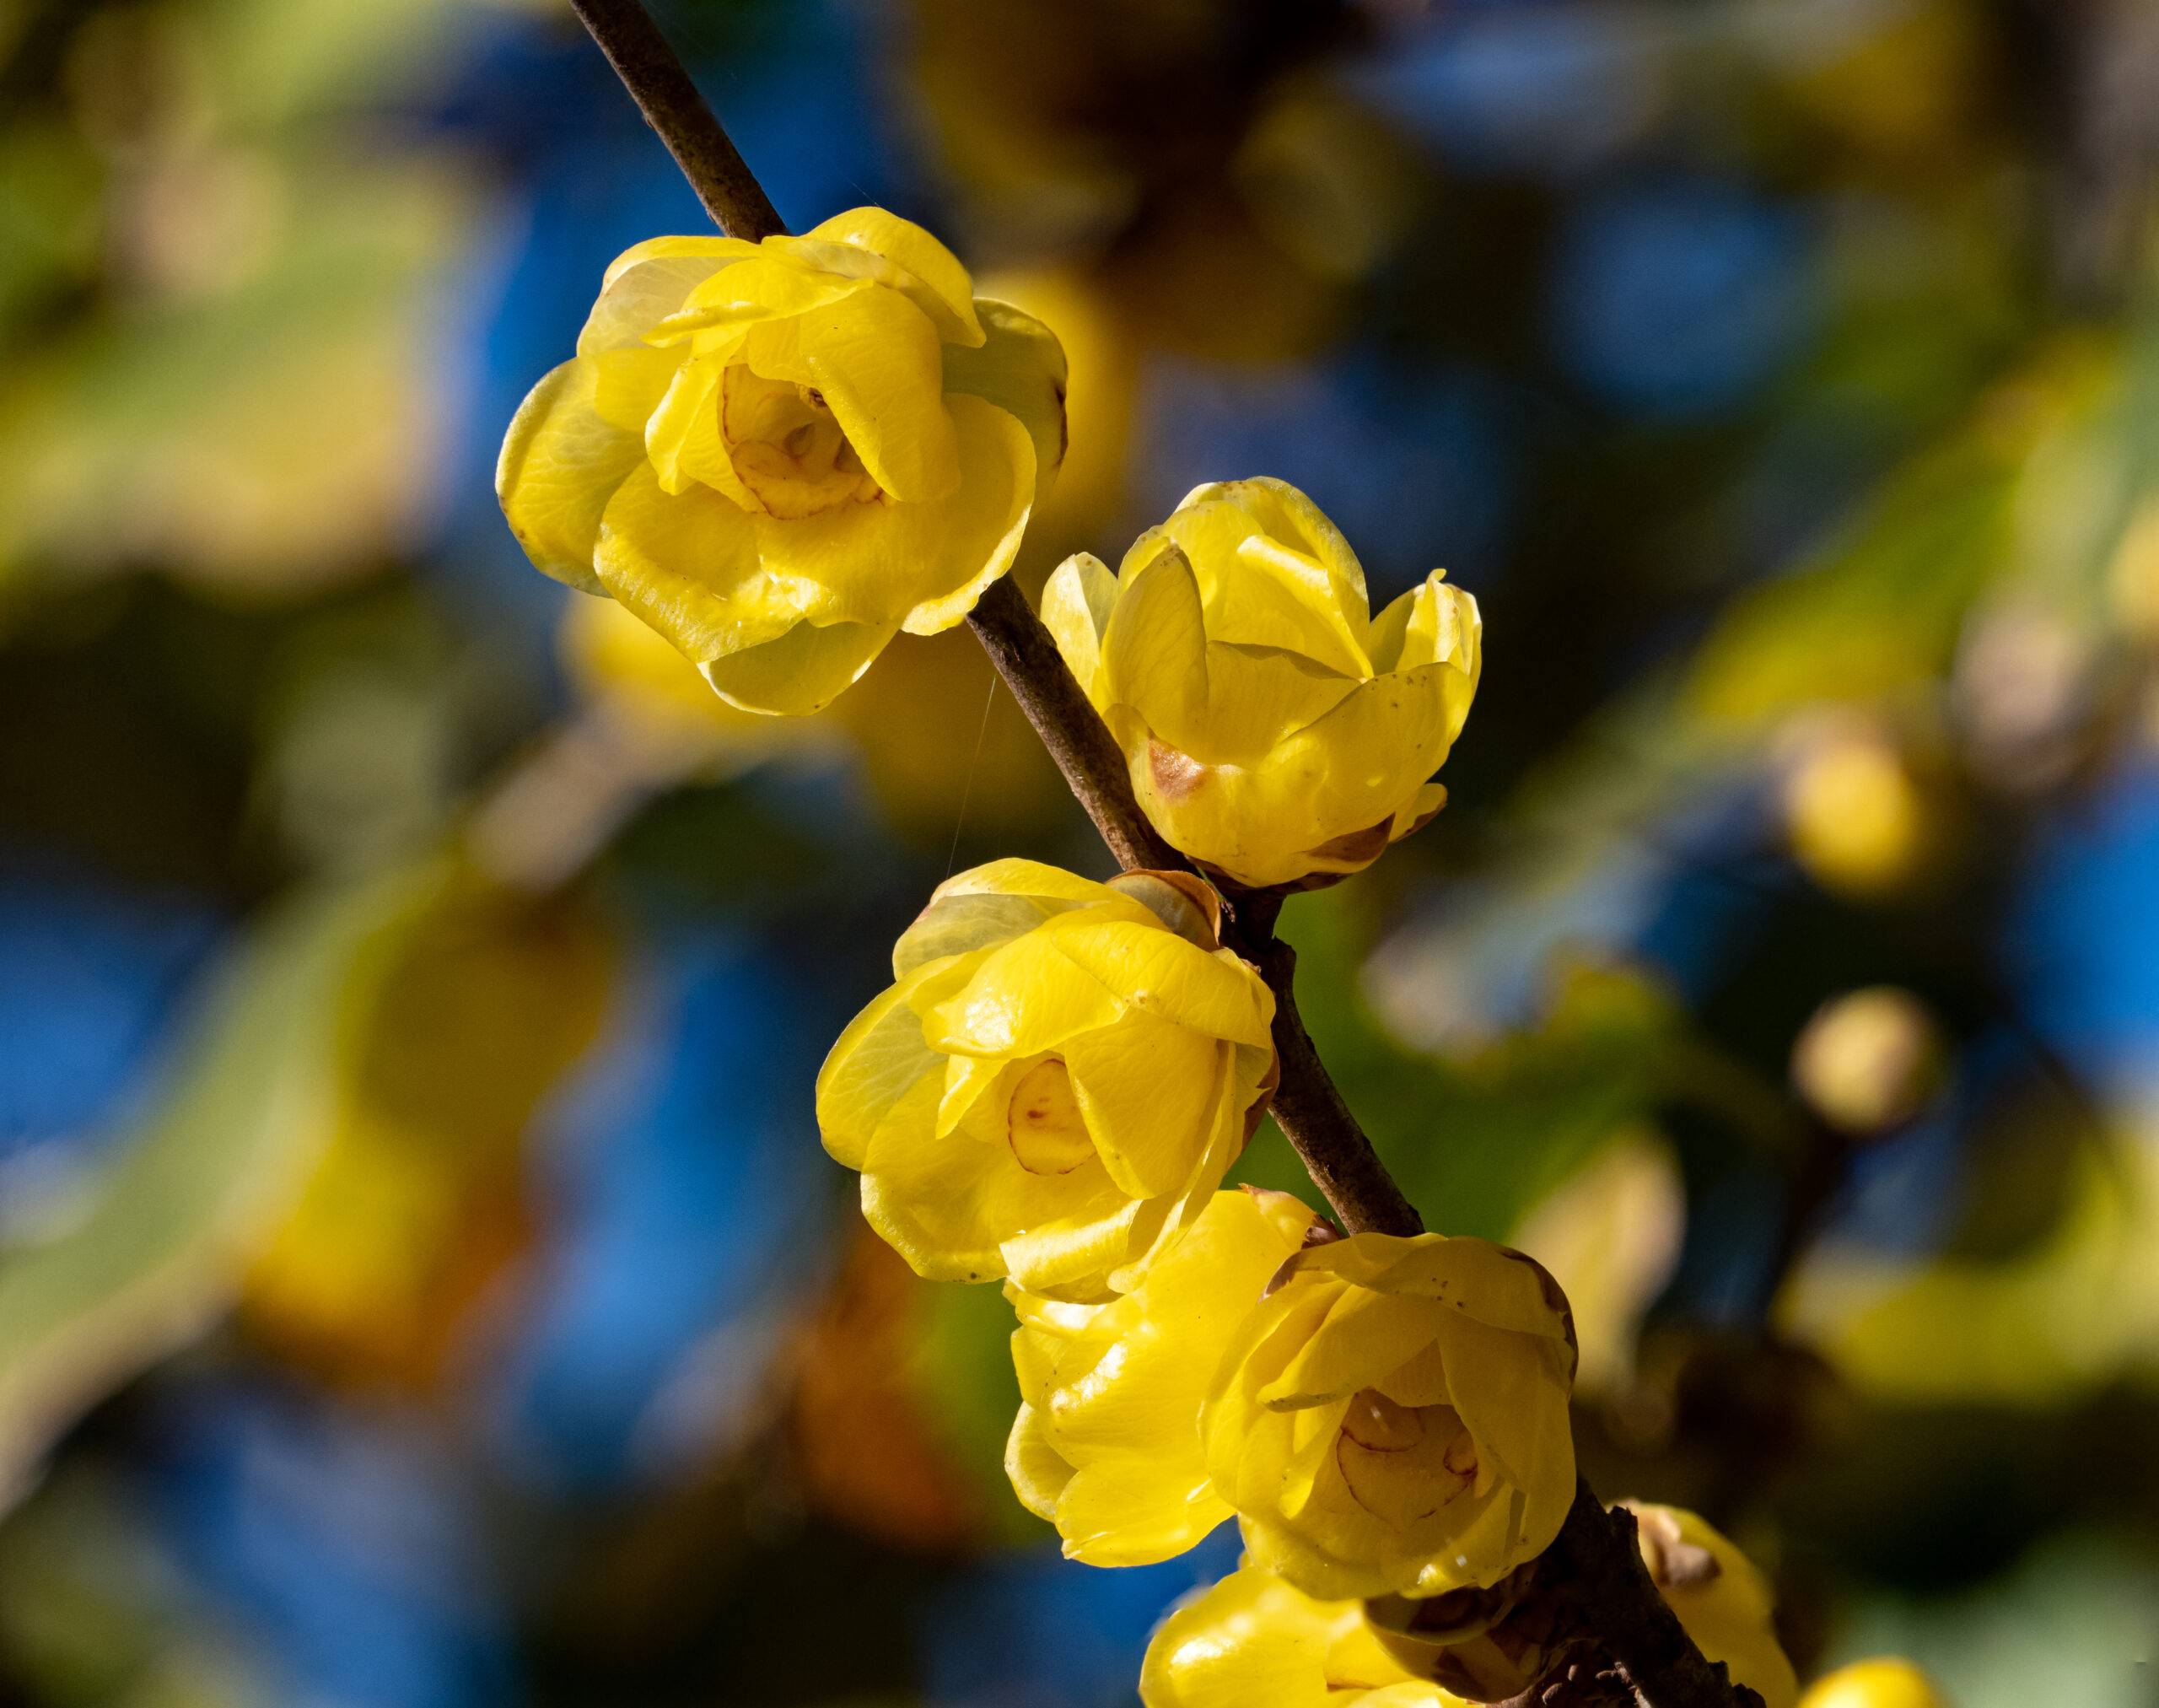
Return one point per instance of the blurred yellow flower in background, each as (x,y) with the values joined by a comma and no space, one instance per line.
(779,455)
(1723,1601)
(1057,1081)
(1885,1683)
(1393,1419)
(1275,730)
(465,1007)
(1254,1641)
(1106,1444)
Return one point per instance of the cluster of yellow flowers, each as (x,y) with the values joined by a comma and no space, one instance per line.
(778,454)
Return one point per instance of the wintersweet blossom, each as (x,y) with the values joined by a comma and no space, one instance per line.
(1058,1081)
(1393,1419)
(1275,730)
(781,454)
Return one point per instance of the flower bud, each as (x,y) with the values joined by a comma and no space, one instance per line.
(1721,1599)
(1056,1083)
(1275,730)
(1853,812)
(781,454)
(1869,1060)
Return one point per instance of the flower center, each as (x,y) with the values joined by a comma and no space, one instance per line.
(1043,1123)
(787,447)
(1403,1463)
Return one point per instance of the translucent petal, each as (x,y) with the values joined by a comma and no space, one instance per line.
(1020,369)
(913,249)
(688,563)
(561,464)
(803,671)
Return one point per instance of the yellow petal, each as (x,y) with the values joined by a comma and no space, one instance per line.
(1251,1641)
(1154,648)
(1147,1090)
(803,671)
(1366,1335)
(950,1206)
(1264,591)
(561,464)
(649,282)
(1019,368)
(875,359)
(688,563)
(919,565)
(763,288)
(874,1063)
(1433,623)
(1076,606)
(631,382)
(924,260)
(1136,1511)
(1038,1476)
(990,905)
(1287,515)
(1511,1393)
(682,435)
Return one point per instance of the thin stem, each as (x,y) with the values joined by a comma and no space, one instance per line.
(1079,741)
(1620,1603)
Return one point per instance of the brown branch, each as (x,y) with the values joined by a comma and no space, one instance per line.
(1079,741)
(1619,1602)
(1596,1564)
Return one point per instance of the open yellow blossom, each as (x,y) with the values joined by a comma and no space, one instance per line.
(1107,1445)
(1057,1081)
(1255,1641)
(1885,1683)
(1393,1419)
(781,454)
(1275,730)
(1721,1597)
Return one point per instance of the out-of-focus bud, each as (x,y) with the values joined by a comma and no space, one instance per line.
(1869,1060)
(1481,1645)
(2021,686)
(1889,1682)
(1852,811)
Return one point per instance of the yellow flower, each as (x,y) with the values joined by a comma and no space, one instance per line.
(1275,730)
(1255,1641)
(1057,1081)
(1886,1683)
(781,454)
(1393,1419)
(1723,1601)
(1107,1445)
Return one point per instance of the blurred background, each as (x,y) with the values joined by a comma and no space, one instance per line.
(420,1280)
